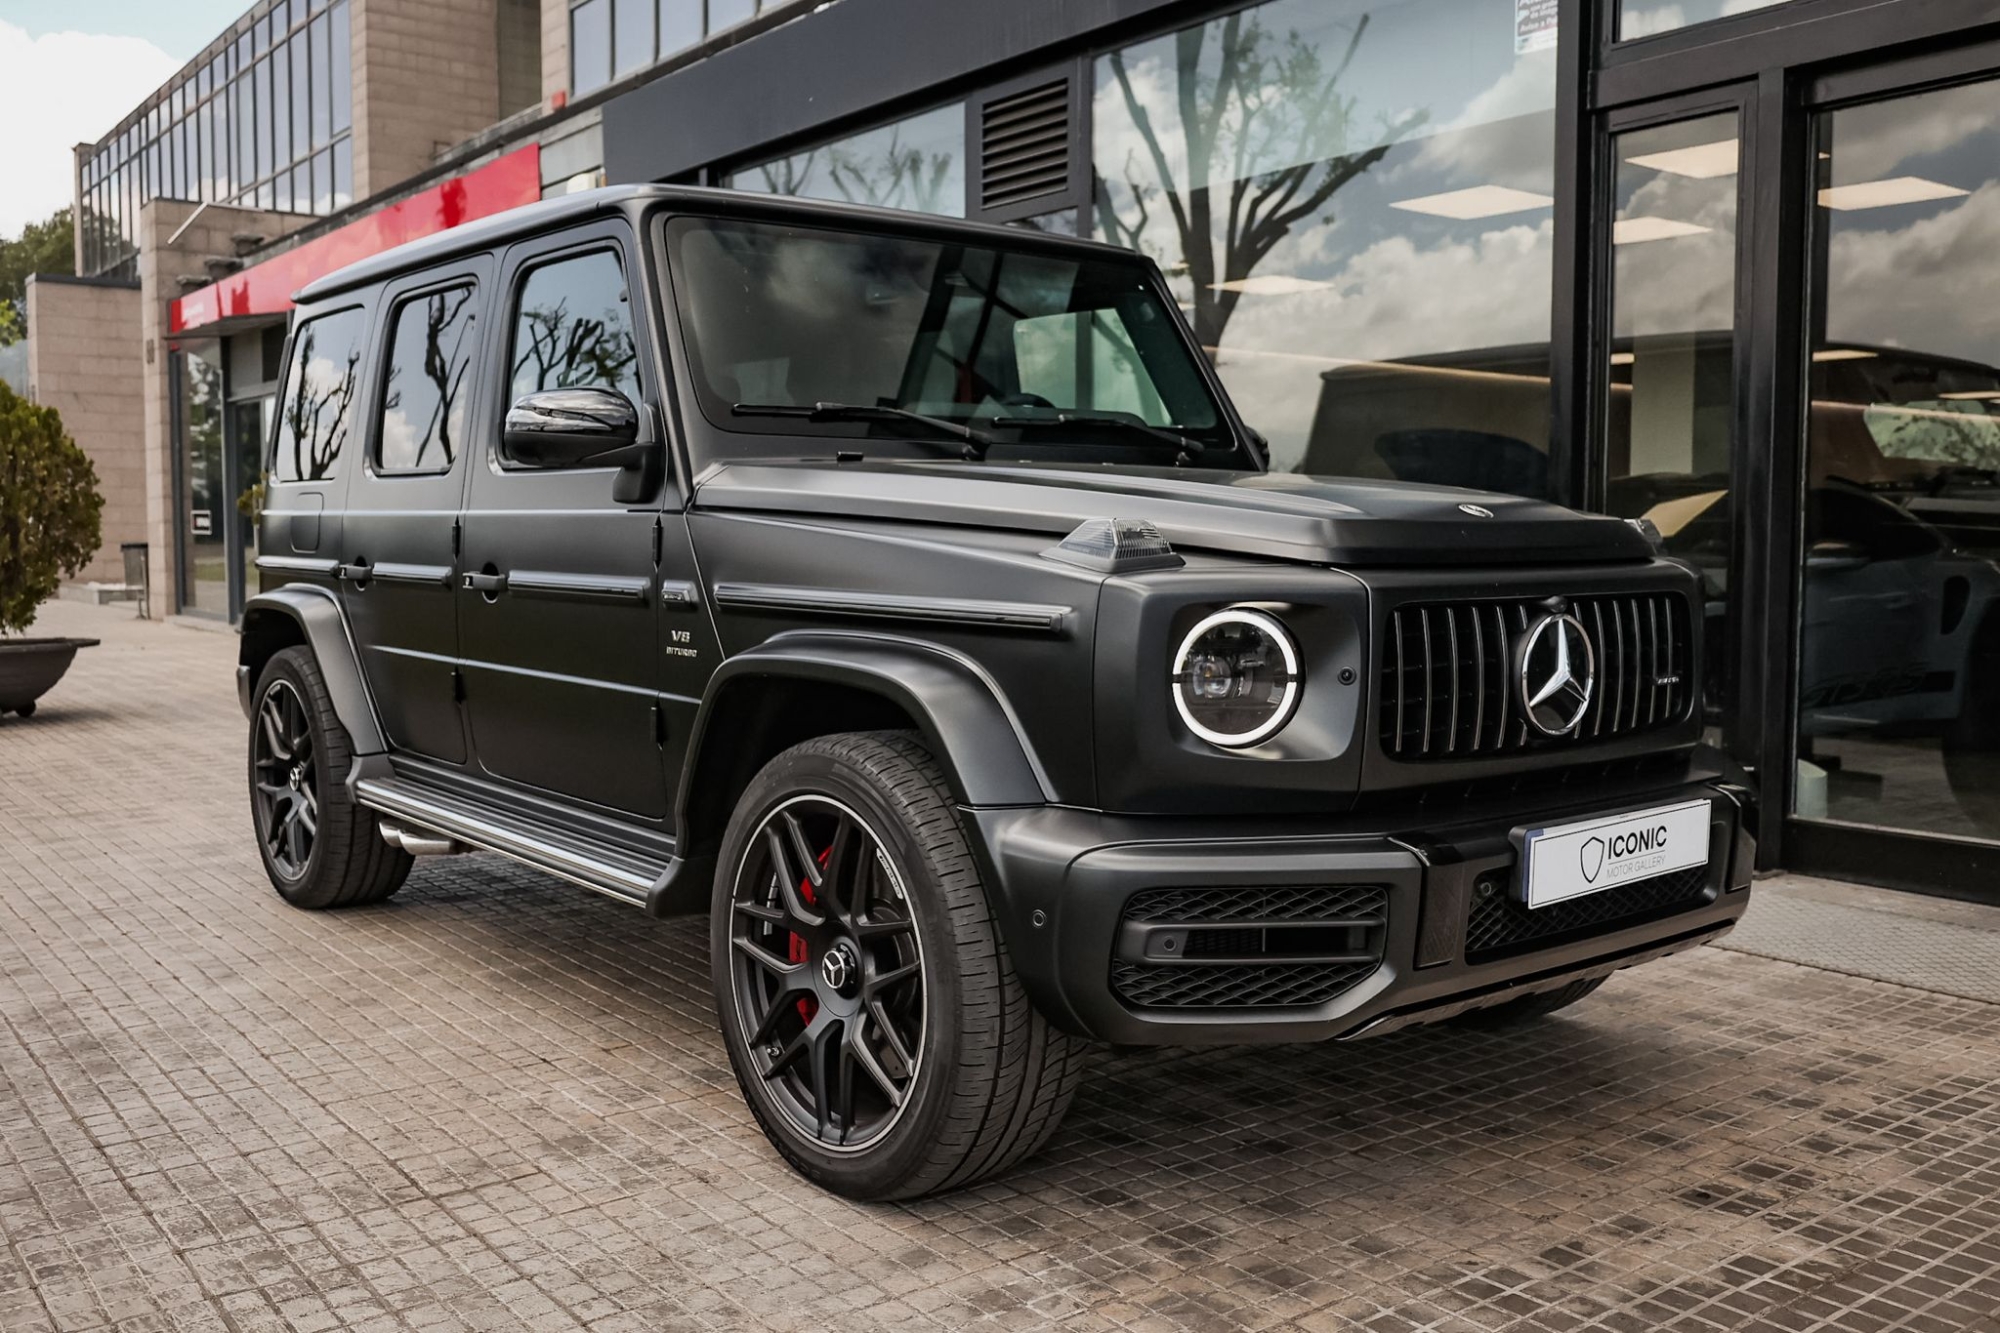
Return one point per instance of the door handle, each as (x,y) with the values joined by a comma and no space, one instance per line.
(354,573)
(490,585)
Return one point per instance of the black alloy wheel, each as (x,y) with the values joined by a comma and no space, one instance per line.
(319,848)
(828,972)
(864,993)
(287,780)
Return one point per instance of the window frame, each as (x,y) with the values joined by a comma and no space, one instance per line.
(379,398)
(522,266)
(363,307)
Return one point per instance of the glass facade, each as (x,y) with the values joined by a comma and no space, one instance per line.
(917,163)
(610,38)
(1670,401)
(1356,205)
(1643,18)
(261,120)
(1899,634)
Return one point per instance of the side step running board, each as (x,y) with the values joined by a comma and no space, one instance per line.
(628,878)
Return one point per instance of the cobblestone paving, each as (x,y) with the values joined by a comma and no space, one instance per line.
(498,1103)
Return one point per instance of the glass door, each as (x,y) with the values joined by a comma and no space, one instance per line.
(204,485)
(1899,603)
(1668,409)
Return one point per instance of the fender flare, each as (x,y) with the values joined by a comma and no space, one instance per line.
(317,615)
(960,710)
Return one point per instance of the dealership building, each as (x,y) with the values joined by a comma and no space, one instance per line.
(1720,264)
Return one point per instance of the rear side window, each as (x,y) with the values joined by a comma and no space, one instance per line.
(318,411)
(424,394)
(573,328)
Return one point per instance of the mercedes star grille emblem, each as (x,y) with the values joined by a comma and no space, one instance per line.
(1477,511)
(1558,670)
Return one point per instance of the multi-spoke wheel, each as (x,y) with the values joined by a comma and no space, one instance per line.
(318,847)
(829,972)
(286,779)
(867,1002)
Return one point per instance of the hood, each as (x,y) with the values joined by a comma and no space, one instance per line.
(1273,514)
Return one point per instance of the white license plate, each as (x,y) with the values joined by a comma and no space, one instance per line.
(1570,860)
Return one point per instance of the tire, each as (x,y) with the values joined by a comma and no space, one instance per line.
(989,1080)
(333,855)
(1529,1008)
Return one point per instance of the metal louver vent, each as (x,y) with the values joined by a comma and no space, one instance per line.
(1024,146)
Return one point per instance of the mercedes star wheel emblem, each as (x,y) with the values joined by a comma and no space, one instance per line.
(1558,671)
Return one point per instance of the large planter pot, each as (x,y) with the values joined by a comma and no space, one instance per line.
(29,668)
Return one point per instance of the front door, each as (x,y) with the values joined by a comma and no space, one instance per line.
(1898,722)
(398,562)
(558,603)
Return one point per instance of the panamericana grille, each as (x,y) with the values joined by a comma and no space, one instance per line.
(1258,947)
(1450,686)
(1499,924)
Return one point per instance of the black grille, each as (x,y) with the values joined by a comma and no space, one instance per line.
(1449,687)
(1307,904)
(1499,924)
(1235,985)
(1345,923)
(1024,146)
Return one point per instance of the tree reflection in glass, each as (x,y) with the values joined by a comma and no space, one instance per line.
(1354,203)
(574,329)
(423,410)
(318,411)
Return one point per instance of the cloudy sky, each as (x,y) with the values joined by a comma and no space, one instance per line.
(69,69)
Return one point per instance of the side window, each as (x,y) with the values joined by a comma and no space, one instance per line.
(573,328)
(317,413)
(423,389)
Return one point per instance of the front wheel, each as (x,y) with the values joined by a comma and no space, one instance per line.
(865,996)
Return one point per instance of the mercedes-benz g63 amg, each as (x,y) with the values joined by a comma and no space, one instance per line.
(907,596)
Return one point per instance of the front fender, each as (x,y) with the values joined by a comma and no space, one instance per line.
(956,705)
(302,613)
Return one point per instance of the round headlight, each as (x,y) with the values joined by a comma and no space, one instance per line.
(1236,677)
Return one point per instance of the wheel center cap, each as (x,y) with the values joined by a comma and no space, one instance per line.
(840,968)
(298,776)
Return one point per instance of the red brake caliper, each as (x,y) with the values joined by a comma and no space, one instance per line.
(796,951)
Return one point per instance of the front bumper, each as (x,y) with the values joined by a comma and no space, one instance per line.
(1430,927)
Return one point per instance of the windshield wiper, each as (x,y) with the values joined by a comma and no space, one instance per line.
(974,443)
(1173,435)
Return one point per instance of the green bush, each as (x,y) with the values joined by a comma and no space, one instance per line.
(50,511)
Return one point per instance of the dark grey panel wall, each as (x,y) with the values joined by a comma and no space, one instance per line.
(841,62)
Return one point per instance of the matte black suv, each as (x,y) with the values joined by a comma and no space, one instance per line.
(907,596)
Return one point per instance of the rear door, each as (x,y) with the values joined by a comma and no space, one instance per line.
(559,633)
(399,557)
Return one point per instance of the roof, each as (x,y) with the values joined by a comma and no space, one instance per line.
(567,210)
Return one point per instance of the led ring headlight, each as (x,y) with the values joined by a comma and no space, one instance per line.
(1236,678)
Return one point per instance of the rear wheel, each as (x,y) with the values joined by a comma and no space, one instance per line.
(869,1008)
(319,848)
(1528,1008)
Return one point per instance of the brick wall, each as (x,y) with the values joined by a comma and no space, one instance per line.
(426,77)
(84,360)
(555,47)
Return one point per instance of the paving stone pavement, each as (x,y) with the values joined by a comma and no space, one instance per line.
(498,1103)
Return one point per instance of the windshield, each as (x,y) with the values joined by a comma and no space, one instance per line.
(895,345)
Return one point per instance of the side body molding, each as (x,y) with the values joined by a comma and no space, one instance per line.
(959,708)
(300,612)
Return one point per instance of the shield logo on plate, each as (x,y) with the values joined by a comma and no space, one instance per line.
(1590,859)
